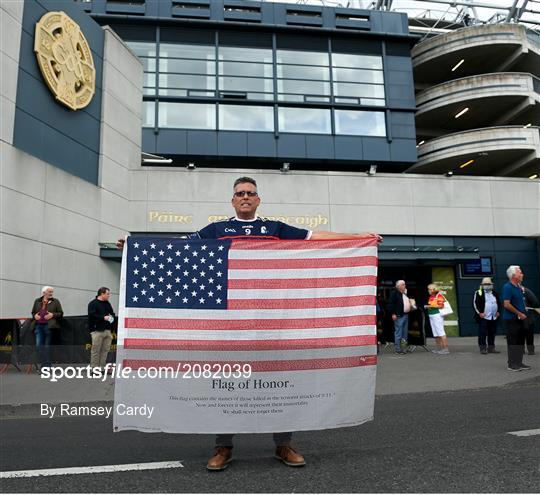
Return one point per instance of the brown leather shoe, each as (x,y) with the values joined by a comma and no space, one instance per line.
(289,456)
(220,460)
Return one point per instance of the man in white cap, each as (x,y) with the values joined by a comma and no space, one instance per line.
(486,304)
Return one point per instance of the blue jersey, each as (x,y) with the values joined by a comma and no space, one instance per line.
(259,228)
(514,294)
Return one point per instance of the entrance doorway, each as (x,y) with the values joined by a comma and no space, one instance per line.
(417,278)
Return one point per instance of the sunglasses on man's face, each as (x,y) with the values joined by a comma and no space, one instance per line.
(241,194)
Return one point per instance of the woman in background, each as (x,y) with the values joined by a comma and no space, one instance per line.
(436,319)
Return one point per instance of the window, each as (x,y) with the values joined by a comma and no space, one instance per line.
(142,48)
(245,54)
(245,69)
(246,118)
(358,76)
(359,90)
(303,87)
(173,92)
(302,57)
(187,66)
(149,113)
(303,72)
(182,81)
(246,84)
(187,115)
(201,52)
(298,98)
(359,123)
(304,120)
(149,80)
(149,64)
(245,73)
(357,61)
(240,74)
(146,51)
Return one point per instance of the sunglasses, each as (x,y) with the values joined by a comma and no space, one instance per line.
(241,194)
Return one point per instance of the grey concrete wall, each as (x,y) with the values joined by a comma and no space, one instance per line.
(472,88)
(481,35)
(523,142)
(178,200)
(11,15)
(52,221)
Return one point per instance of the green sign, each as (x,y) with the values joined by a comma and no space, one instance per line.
(444,277)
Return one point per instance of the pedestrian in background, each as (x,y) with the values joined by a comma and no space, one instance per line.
(514,318)
(46,312)
(434,307)
(100,319)
(399,306)
(531,305)
(486,304)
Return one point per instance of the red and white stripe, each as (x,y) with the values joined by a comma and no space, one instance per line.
(284,297)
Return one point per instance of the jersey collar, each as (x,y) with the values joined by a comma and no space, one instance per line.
(242,220)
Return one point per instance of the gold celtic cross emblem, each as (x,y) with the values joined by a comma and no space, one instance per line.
(65,60)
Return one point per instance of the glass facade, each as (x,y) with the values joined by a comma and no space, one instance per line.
(186,68)
(302,76)
(261,88)
(187,115)
(360,123)
(246,118)
(146,51)
(305,120)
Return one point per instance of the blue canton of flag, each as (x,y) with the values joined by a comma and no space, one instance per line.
(176,273)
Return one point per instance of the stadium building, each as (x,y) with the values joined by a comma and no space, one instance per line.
(349,120)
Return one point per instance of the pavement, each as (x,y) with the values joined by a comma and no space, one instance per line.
(420,371)
(442,424)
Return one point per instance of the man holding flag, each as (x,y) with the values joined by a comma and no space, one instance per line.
(246,225)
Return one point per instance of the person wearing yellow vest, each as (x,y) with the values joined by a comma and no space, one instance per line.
(487,305)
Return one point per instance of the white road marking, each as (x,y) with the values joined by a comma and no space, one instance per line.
(91,469)
(525,433)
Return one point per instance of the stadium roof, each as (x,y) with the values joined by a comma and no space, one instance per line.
(433,17)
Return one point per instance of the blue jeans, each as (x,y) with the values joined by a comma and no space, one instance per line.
(401,330)
(43,343)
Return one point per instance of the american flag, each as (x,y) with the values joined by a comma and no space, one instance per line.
(277,305)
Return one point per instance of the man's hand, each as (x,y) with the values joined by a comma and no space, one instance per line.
(318,235)
(48,316)
(521,316)
(370,235)
(120,243)
(394,317)
(481,315)
(106,317)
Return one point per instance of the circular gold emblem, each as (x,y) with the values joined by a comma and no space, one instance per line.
(65,60)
